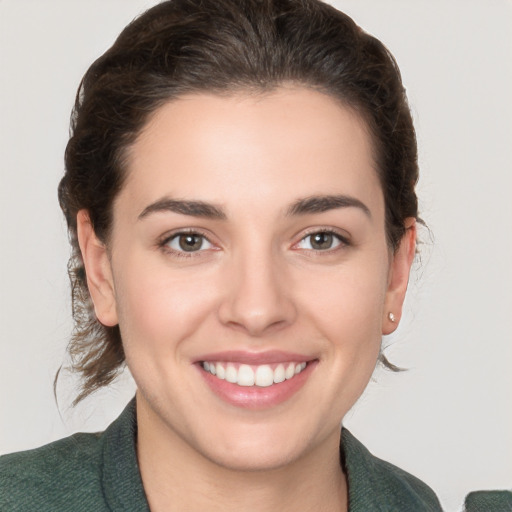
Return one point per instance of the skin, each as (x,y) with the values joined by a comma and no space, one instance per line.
(256,284)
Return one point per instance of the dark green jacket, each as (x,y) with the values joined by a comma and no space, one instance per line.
(99,472)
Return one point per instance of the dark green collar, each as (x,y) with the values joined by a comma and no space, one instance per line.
(377,485)
(122,483)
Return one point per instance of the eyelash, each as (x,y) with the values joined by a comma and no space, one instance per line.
(164,243)
(343,240)
(167,239)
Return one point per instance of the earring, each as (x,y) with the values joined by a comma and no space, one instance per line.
(391,317)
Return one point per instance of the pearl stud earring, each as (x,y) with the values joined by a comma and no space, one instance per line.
(392,317)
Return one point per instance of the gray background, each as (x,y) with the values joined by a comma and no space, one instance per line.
(449,418)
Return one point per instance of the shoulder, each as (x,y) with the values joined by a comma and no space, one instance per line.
(485,501)
(375,484)
(63,475)
(82,473)
(404,486)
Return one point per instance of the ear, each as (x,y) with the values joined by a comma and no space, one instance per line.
(399,277)
(98,270)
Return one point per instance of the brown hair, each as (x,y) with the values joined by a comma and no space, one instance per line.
(184,46)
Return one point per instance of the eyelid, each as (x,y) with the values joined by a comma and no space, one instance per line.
(163,241)
(343,238)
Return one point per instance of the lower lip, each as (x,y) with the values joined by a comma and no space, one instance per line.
(255,397)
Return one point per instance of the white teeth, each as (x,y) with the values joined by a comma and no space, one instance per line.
(220,371)
(299,368)
(290,371)
(264,376)
(231,374)
(279,375)
(246,375)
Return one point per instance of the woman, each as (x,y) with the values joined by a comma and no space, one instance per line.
(239,191)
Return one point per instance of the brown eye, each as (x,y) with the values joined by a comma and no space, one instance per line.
(321,241)
(188,242)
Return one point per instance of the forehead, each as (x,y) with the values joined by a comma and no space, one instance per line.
(289,143)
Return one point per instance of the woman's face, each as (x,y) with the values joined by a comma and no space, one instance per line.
(249,241)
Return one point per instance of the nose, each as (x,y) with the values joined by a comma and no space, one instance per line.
(258,296)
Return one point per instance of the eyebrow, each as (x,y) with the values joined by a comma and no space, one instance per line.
(192,208)
(311,204)
(324,203)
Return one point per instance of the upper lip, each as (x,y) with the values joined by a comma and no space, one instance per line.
(255,358)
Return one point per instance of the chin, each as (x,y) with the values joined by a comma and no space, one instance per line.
(253,460)
(263,447)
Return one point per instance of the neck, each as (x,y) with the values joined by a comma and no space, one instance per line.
(176,477)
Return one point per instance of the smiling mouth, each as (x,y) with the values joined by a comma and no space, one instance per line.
(245,375)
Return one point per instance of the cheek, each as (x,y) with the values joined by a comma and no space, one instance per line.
(347,309)
(352,296)
(158,308)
